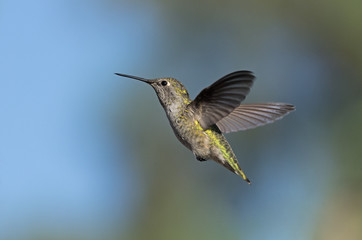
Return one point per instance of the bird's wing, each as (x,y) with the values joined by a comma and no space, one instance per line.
(221,98)
(248,116)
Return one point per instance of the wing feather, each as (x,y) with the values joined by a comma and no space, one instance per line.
(221,98)
(247,116)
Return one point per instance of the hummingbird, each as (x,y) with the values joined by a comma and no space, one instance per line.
(199,124)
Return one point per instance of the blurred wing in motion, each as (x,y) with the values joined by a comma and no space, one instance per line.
(221,98)
(248,116)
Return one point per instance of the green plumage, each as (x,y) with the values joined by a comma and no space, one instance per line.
(199,124)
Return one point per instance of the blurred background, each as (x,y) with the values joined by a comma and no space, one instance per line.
(85,154)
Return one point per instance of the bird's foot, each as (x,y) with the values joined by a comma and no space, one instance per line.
(200,159)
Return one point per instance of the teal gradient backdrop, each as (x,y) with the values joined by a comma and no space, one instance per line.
(85,154)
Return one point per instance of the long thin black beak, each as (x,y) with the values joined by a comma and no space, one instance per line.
(149,81)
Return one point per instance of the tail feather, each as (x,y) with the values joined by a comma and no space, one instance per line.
(235,168)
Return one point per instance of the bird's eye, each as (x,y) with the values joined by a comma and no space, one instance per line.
(164,83)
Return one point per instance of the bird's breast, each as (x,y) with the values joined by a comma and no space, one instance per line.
(189,132)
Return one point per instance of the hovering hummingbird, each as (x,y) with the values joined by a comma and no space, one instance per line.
(199,124)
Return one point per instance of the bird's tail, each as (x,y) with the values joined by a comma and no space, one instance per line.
(233,166)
